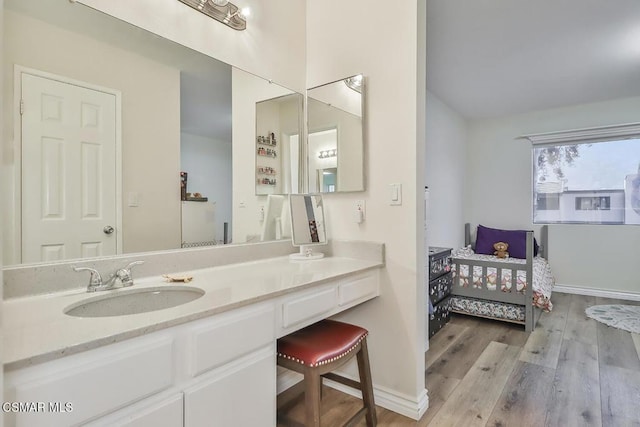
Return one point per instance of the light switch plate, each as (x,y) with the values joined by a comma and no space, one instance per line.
(133,199)
(395,194)
(360,207)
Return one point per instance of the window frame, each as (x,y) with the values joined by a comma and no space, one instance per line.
(577,137)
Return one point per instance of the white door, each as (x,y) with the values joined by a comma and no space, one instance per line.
(68,170)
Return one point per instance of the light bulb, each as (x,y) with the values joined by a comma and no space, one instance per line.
(220,3)
(245,12)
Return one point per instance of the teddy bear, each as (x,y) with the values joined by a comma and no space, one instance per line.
(501,249)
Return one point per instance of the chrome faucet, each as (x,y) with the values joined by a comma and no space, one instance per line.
(123,275)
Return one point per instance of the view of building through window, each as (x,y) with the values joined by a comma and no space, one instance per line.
(595,182)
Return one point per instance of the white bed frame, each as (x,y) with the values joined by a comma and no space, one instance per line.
(510,297)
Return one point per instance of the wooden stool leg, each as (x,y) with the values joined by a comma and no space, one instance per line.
(366,384)
(312,397)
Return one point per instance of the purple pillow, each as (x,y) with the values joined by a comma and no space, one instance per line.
(517,240)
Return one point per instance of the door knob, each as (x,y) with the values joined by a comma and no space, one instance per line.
(108,229)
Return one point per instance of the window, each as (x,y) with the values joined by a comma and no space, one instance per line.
(593,203)
(587,176)
(547,201)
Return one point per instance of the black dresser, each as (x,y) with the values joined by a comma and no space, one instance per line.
(440,281)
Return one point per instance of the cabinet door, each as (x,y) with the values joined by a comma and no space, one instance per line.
(243,395)
(157,413)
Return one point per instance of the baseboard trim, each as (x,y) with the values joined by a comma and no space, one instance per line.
(391,400)
(385,398)
(594,292)
(286,380)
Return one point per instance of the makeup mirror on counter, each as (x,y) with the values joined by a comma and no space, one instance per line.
(307,225)
(335,121)
(168,139)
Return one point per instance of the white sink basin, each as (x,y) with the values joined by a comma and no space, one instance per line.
(134,301)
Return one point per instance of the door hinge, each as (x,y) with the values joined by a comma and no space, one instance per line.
(21,107)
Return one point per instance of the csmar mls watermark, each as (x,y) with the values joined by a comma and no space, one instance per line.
(23,407)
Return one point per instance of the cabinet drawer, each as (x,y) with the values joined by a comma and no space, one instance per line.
(308,306)
(358,288)
(230,336)
(440,288)
(439,262)
(97,386)
(440,317)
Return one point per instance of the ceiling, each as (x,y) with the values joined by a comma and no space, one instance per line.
(492,58)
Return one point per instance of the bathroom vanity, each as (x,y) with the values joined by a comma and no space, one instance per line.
(208,362)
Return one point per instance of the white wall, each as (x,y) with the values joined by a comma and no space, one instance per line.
(150,124)
(499,194)
(356,36)
(208,163)
(445,173)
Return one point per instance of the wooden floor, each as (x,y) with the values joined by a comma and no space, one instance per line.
(571,371)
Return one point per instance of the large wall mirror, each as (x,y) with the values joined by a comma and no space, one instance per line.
(335,120)
(112,115)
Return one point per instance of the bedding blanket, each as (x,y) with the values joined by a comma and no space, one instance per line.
(543,280)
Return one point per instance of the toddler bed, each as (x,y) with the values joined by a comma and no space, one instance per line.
(508,289)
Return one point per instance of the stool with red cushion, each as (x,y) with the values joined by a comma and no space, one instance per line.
(317,350)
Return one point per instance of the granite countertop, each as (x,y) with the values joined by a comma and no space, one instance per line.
(36,329)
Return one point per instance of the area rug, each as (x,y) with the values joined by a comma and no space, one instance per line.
(626,317)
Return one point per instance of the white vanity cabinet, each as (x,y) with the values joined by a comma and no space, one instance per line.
(193,374)
(218,370)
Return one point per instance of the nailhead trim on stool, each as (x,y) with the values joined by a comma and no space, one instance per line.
(319,349)
(324,362)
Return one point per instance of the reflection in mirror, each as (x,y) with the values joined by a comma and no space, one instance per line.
(335,136)
(276,224)
(307,225)
(278,122)
(167,109)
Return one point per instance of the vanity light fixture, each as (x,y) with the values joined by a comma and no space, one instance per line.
(325,154)
(222,11)
(354,83)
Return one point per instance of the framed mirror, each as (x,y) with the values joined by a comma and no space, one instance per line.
(168,109)
(278,124)
(335,121)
